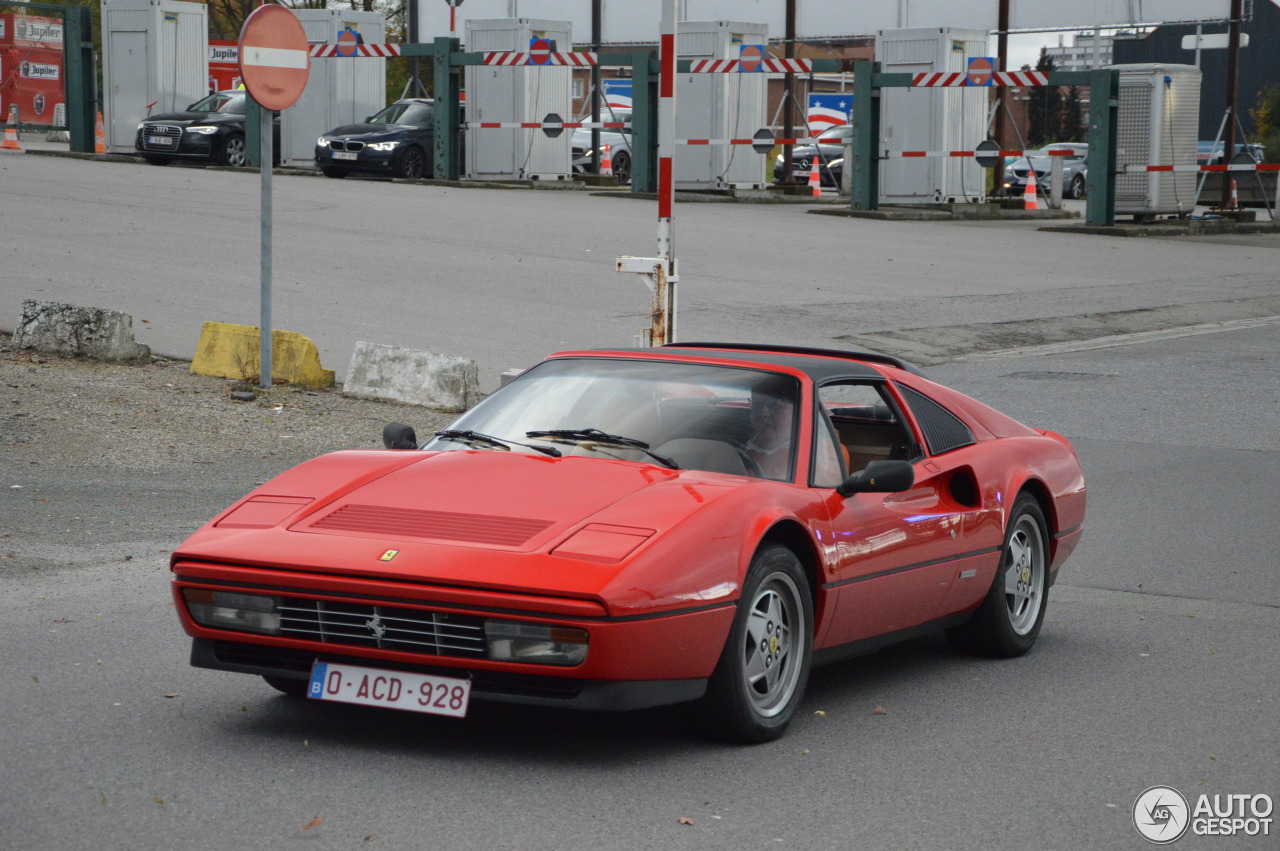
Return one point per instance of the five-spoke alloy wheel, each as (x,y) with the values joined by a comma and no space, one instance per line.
(764,668)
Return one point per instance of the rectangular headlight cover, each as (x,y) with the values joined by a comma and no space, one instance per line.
(514,641)
(231,610)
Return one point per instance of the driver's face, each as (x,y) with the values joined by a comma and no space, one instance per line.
(771,419)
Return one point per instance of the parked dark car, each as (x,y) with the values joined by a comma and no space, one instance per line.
(830,154)
(399,141)
(211,129)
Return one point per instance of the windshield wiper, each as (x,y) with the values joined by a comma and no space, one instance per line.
(595,435)
(468,436)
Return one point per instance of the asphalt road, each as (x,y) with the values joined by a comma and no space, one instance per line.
(1156,664)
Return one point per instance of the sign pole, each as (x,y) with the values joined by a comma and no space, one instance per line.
(265,159)
(275,62)
(664,296)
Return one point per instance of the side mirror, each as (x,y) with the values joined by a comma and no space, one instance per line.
(879,477)
(399,436)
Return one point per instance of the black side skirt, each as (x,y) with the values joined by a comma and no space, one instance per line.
(868,645)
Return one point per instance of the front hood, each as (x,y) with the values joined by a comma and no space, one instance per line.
(502,500)
(188,117)
(366,132)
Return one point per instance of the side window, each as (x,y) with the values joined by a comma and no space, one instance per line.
(943,430)
(863,427)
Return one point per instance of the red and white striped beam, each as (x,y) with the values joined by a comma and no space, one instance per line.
(1132,169)
(1000,78)
(577,60)
(326,51)
(733,66)
(543,125)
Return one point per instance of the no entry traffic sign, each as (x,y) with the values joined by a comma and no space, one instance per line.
(274,57)
(751,59)
(540,50)
(981,71)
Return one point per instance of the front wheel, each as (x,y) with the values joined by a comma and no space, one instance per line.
(622,168)
(1077,187)
(233,151)
(1009,619)
(764,668)
(413,163)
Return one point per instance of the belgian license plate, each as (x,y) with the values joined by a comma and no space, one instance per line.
(391,689)
(159,140)
(344,155)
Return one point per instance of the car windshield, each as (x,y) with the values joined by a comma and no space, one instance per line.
(609,114)
(411,114)
(228,102)
(714,418)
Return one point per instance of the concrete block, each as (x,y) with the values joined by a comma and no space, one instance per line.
(389,373)
(231,351)
(67,329)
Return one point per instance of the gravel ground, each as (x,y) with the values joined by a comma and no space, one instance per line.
(95,453)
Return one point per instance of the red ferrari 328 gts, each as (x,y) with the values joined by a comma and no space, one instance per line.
(698,523)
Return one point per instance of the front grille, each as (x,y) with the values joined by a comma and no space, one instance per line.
(167,136)
(340,145)
(383,627)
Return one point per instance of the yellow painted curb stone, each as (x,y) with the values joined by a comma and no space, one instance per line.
(231,351)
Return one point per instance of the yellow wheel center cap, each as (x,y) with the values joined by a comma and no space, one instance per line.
(773,644)
(1026,574)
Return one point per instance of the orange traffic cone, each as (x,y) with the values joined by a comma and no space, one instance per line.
(606,160)
(1234,203)
(1029,195)
(99,137)
(11,140)
(815,179)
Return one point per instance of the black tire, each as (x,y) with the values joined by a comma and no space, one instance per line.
(764,667)
(154,160)
(413,164)
(1076,191)
(330,171)
(232,152)
(288,685)
(1009,619)
(622,168)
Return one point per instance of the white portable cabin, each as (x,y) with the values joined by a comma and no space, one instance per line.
(341,89)
(1158,123)
(154,52)
(518,93)
(927,118)
(719,106)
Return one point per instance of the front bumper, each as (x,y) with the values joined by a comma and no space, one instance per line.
(497,686)
(366,160)
(189,145)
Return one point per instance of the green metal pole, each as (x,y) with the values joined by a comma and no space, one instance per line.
(82,78)
(1100,183)
(644,122)
(447,163)
(864,189)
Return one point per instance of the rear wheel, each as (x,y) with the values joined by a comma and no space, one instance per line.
(764,668)
(233,151)
(1009,619)
(288,685)
(413,163)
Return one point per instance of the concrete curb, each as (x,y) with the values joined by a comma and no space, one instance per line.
(232,351)
(67,329)
(412,376)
